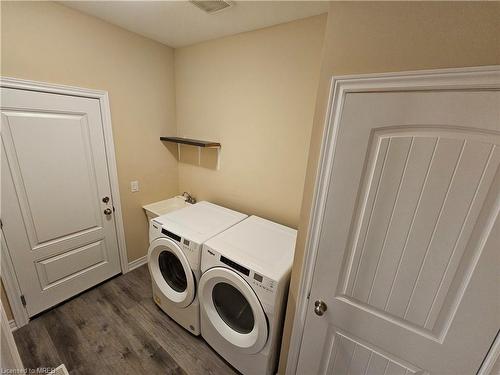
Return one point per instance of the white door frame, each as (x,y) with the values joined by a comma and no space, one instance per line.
(487,77)
(9,278)
(491,358)
(11,349)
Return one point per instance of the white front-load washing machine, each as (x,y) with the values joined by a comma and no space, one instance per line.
(174,257)
(242,291)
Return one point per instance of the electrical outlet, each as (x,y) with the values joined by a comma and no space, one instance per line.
(134,186)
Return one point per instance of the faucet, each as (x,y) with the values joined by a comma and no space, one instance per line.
(189,199)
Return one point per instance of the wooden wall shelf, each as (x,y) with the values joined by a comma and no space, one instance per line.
(197,143)
(191,142)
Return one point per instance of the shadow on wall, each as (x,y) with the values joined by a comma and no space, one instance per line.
(197,156)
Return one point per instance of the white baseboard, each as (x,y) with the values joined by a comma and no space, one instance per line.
(61,370)
(12,325)
(137,263)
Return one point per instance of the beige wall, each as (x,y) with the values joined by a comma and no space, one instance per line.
(52,43)
(385,37)
(255,93)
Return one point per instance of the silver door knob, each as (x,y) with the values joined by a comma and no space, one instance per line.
(320,307)
(107,211)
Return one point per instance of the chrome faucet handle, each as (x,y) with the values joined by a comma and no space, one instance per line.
(189,198)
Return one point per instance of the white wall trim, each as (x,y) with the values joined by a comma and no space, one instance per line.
(487,77)
(491,358)
(10,354)
(11,285)
(102,96)
(137,263)
(12,325)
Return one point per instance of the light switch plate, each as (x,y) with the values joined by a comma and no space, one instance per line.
(134,186)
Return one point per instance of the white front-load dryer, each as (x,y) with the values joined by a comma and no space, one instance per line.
(242,291)
(174,257)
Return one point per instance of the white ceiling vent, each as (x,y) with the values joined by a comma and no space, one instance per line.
(212,6)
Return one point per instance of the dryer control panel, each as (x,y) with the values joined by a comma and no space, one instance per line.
(263,282)
(258,281)
(252,277)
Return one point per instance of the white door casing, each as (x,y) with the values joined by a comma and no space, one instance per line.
(55,175)
(491,363)
(9,355)
(403,245)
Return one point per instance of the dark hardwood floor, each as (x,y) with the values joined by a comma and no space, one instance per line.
(115,328)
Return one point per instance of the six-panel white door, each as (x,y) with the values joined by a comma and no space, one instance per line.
(408,254)
(57,208)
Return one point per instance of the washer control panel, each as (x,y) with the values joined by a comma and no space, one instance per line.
(156,230)
(189,245)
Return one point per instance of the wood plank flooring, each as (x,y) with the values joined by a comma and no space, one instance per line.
(116,328)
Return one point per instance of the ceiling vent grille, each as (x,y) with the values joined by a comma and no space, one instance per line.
(212,6)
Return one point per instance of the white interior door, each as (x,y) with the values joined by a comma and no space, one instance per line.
(57,208)
(409,245)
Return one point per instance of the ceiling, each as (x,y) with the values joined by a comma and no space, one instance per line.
(180,23)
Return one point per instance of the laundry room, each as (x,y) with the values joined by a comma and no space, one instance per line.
(250,187)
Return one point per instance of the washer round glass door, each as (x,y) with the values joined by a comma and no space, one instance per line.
(233,308)
(171,272)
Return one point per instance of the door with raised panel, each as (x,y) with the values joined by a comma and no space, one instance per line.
(57,210)
(409,248)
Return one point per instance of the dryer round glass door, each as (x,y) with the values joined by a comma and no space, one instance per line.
(233,309)
(171,272)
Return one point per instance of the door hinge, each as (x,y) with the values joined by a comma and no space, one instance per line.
(23,300)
